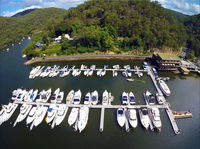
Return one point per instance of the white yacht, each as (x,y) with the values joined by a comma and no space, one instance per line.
(150,98)
(86,71)
(40,114)
(121,117)
(24,111)
(92,68)
(46,72)
(105,99)
(99,72)
(65,71)
(31,115)
(144,117)
(61,113)
(94,97)
(51,112)
(73,116)
(44,96)
(124,98)
(2,112)
(27,96)
(77,97)
(163,86)
(15,93)
(55,95)
(160,98)
(83,118)
(156,118)
(69,98)
(34,71)
(132,117)
(37,74)
(21,95)
(60,97)
(131,98)
(87,98)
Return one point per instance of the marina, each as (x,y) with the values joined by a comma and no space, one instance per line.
(73,100)
(183,97)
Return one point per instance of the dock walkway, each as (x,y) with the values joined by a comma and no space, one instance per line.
(166,104)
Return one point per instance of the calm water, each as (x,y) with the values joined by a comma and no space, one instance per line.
(185,96)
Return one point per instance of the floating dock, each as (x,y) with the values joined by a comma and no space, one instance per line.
(102,119)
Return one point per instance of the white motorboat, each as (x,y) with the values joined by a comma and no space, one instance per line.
(115,70)
(2,112)
(131,98)
(27,97)
(160,98)
(129,72)
(163,86)
(144,117)
(132,117)
(55,95)
(31,115)
(99,72)
(76,72)
(121,117)
(10,109)
(15,93)
(150,98)
(51,113)
(94,97)
(105,99)
(83,118)
(124,98)
(61,113)
(45,97)
(103,72)
(77,97)
(87,98)
(21,95)
(40,114)
(46,72)
(69,98)
(34,71)
(73,116)
(42,94)
(37,74)
(24,111)
(86,72)
(60,97)
(156,118)
(92,68)
(65,71)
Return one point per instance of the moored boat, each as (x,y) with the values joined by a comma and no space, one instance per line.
(121,117)
(83,118)
(132,117)
(105,98)
(144,117)
(163,86)
(73,116)
(131,98)
(124,98)
(94,97)
(150,98)
(77,97)
(69,98)
(87,98)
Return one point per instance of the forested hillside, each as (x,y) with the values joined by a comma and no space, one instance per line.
(12,29)
(104,25)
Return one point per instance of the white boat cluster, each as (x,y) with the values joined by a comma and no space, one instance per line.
(42,71)
(56,112)
(147,116)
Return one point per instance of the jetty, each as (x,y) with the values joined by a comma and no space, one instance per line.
(166,104)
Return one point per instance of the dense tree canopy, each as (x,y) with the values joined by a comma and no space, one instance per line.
(121,25)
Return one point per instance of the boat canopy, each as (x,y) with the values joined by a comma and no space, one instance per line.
(144,111)
(76,100)
(50,109)
(120,112)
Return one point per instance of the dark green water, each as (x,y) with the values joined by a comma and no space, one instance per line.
(185,96)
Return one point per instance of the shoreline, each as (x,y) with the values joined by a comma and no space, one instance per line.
(84,57)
